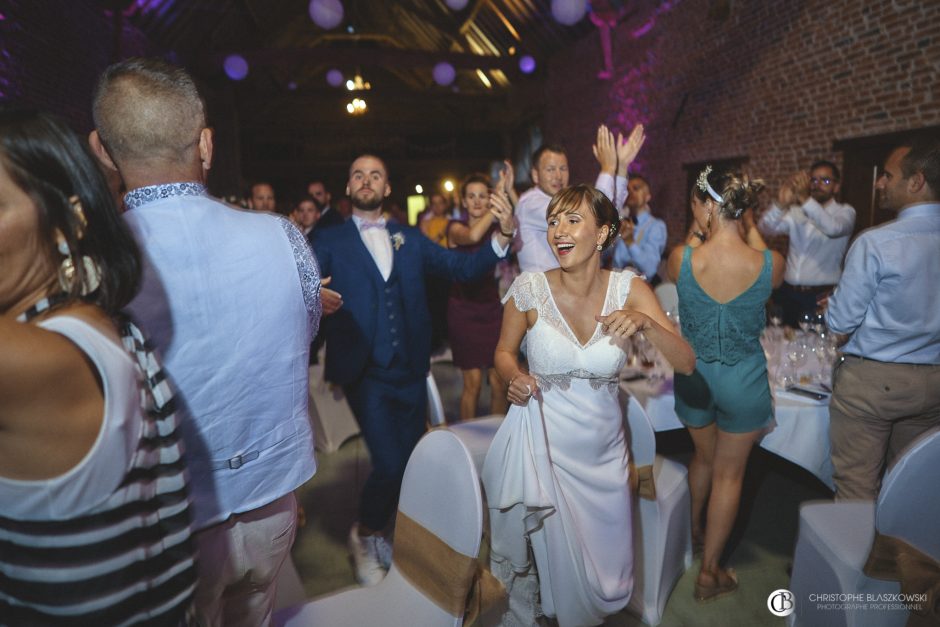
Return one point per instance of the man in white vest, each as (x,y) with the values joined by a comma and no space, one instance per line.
(231,299)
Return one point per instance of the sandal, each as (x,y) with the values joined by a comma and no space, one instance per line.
(704,594)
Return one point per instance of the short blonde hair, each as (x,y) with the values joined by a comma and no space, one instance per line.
(147,109)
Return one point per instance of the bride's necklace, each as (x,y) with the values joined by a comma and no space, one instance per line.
(45,304)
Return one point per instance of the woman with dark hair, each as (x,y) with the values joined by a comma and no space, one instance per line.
(556,474)
(474,313)
(723,284)
(94,511)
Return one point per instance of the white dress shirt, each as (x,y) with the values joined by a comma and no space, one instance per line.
(818,235)
(536,255)
(379,245)
(888,297)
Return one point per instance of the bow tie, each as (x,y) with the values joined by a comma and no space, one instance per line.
(376,224)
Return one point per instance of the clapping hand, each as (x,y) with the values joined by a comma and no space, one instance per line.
(629,148)
(623,323)
(521,388)
(605,150)
(800,183)
(506,181)
(501,210)
(627,229)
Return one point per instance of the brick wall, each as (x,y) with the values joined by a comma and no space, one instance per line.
(777,82)
(52,52)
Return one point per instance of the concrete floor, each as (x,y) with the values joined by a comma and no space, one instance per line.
(760,549)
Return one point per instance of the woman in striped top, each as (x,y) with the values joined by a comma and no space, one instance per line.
(94,510)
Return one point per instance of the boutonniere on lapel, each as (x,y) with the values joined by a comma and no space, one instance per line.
(398,240)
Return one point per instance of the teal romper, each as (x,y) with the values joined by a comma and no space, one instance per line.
(729,383)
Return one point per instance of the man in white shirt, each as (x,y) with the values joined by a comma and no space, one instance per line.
(886,389)
(641,243)
(550,176)
(819,228)
(230,299)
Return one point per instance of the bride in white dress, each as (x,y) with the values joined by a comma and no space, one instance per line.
(556,475)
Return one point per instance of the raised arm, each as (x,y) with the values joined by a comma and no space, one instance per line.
(839,223)
(641,312)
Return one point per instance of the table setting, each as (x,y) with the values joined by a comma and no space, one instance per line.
(799,365)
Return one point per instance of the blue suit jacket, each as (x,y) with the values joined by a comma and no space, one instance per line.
(351,331)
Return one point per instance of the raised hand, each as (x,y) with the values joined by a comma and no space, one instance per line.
(521,388)
(501,209)
(800,183)
(629,148)
(330,300)
(605,150)
(785,196)
(507,181)
(624,322)
(627,230)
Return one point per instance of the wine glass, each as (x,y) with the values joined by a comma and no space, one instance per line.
(807,321)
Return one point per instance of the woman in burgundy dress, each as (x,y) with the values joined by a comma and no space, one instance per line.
(474,312)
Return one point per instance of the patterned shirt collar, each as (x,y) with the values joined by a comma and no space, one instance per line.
(142,195)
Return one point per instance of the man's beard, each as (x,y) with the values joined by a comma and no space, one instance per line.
(367,205)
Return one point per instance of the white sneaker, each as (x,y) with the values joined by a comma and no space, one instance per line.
(385,551)
(366,556)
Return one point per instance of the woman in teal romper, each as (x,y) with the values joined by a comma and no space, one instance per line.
(723,286)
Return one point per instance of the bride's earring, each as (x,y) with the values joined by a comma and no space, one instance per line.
(600,247)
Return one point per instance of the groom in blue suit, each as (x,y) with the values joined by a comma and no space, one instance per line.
(378,340)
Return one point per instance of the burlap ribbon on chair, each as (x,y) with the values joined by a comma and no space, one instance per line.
(641,481)
(441,573)
(895,560)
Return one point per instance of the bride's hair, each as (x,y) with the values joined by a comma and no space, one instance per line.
(734,192)
(570,200)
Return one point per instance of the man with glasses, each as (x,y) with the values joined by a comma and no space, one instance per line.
(819,228)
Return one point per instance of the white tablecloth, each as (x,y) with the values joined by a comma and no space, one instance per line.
(800,433)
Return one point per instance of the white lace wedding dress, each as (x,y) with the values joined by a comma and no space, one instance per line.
(556,473)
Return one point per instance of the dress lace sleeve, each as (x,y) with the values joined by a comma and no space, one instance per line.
(523,292)
(623,286)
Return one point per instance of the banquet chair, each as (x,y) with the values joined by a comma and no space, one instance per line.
(332,419)
(437,539)
(436,415)
(835,540)
(662,533)
(668,297)
(476,434)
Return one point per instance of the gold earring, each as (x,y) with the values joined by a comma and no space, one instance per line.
(68,272)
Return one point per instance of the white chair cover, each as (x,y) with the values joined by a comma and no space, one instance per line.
(436,414)
(835,539)
(662,535)
(909,503)
(441,492)
(477,435)
(668,297)
(332,420)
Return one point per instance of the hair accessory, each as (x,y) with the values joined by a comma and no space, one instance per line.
(702,184)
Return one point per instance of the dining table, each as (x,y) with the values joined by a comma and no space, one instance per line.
(799,431)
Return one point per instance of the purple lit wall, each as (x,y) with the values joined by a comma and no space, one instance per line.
(51,54)
(777,82)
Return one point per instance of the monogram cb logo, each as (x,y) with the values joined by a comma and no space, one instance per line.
(781,602)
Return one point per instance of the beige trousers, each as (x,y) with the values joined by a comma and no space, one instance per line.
(238,564)
(877,410)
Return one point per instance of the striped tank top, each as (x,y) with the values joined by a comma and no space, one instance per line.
(108,542)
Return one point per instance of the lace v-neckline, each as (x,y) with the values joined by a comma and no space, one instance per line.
(567,327)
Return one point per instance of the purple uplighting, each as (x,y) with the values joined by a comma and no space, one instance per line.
(292,85)
(444,73)
(236,67)
(527,64)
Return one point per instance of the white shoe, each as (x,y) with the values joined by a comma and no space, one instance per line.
(385,551)
(366,555)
